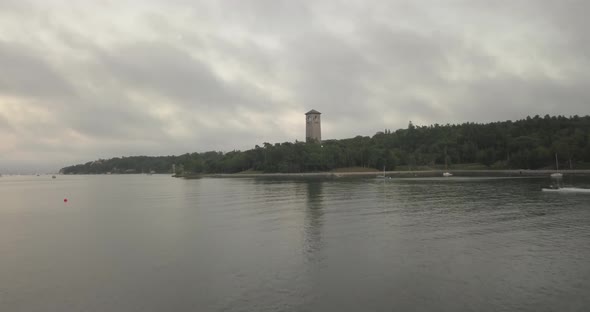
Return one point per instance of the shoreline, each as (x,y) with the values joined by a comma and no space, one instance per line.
(406,174)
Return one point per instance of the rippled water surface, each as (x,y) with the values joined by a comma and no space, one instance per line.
(154,243)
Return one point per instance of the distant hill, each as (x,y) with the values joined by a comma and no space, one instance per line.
(531,143)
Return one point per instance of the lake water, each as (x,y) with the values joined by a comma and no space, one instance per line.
(155,243)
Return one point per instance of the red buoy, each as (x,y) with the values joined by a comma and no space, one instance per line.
(65,200)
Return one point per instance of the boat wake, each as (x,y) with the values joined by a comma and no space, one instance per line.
(567,190)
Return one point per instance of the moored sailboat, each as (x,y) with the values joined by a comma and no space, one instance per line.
(556,175)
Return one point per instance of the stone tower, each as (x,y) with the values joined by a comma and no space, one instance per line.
(313,127)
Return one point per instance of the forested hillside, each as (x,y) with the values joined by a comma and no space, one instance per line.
(524,144)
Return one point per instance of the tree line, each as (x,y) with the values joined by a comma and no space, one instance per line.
(530,143)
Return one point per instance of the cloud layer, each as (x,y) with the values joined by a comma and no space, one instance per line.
(87,79)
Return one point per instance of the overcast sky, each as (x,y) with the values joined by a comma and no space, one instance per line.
(82,80)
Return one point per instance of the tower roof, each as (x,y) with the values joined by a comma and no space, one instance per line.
(313,111)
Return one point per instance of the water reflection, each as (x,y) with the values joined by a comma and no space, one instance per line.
(314,220)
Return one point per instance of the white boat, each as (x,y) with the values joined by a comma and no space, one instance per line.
(382,176)
(557,183)
(567,190)
(446,173)
(556,175)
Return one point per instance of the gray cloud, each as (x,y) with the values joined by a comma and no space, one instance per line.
(4,125)
(329,72)
(13,5)
(103,79)
(495,99)
(25,73)
(169,71)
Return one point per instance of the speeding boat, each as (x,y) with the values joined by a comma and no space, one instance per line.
(558,187)
(567,190)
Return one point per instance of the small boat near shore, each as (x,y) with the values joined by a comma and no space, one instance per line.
(382,176)
(447,174)
(567,190)
(558,187)
(556,175)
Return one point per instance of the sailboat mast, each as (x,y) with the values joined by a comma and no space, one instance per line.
(446,159)
(556,162)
